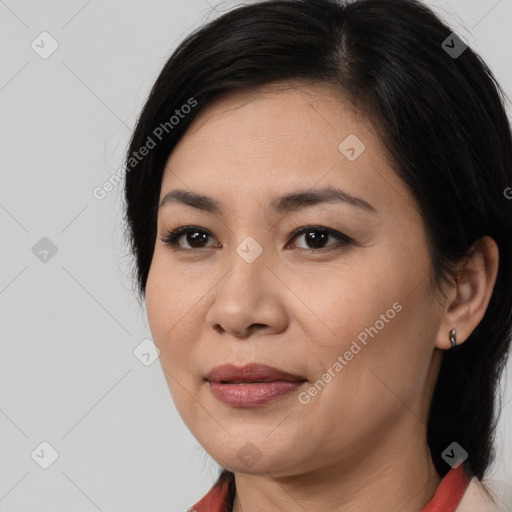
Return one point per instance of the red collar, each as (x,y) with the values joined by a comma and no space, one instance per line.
(450,491)
(217,499)
(446,499)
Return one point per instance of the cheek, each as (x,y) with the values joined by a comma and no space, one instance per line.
(338,303)
(157,302)
(372,313)
(169,306)
(172,309)
(386,363)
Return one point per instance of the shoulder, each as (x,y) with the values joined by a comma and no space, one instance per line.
(485,496)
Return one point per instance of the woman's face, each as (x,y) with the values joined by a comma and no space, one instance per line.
(354,319)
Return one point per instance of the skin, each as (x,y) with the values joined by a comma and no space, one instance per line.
(362,439)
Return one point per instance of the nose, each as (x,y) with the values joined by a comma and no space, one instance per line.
(248,298)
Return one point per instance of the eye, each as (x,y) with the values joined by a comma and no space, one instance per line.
(196,237)
(317,236)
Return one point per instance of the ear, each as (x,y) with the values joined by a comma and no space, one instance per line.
(468,298)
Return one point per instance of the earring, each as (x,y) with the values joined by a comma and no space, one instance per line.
(453,339)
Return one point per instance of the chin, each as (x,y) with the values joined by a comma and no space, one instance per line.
(251,459)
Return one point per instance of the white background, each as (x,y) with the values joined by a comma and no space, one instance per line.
(68,374)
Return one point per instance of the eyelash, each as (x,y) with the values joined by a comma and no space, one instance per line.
(172,237)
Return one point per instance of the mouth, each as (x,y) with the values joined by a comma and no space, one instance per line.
(250,373)
(251,385)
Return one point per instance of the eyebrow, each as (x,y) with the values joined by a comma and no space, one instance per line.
(290,202)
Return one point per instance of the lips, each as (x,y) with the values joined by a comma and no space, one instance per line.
(253,385)
(254,372)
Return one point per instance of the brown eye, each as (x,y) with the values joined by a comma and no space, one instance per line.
(316,237)
(195,237)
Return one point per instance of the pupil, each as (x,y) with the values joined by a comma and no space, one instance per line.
(194,238)
(316,240)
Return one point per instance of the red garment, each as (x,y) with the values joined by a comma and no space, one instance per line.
(450,491)
(446,499)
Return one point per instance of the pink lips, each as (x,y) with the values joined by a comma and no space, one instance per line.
(251,385)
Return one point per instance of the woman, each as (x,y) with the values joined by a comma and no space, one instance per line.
(316,203)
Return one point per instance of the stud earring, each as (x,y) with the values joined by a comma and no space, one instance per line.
(453,339)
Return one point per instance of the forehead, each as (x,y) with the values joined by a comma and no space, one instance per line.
(279,137)
(279,113)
